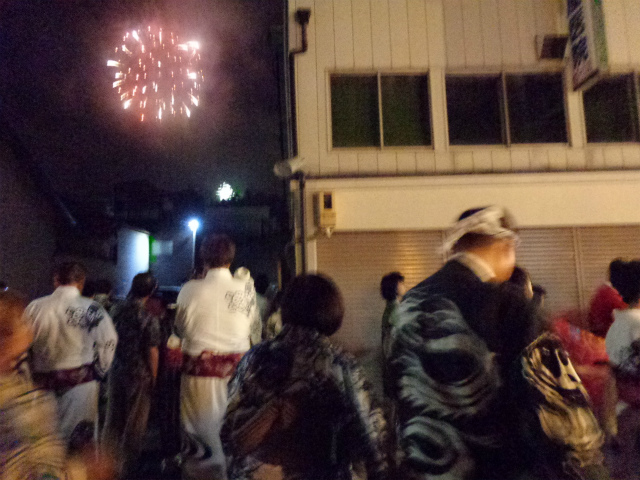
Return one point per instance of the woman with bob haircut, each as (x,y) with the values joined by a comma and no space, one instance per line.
(298,401)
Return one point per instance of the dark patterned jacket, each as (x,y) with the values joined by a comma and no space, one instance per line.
(466,392)
(300,402)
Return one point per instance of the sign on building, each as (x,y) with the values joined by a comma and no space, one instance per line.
(588,42)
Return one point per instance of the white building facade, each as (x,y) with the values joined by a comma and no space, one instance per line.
(411,111)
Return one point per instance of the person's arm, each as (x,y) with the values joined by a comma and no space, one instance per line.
(105,341)
(368,426)
(154,356)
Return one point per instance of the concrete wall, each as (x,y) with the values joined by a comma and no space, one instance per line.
(438,37)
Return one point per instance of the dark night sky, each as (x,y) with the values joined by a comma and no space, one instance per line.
(57,94)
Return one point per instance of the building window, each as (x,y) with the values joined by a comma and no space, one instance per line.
(536,109)
(506,109)
(474,109)
(380,110)
(611,110)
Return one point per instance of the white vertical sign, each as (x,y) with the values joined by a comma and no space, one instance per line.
(587,40)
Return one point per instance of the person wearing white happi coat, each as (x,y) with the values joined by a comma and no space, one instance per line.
(214,318)
(74,344)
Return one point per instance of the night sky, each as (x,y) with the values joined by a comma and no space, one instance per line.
(57,95)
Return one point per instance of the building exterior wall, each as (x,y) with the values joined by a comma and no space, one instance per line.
(439,37)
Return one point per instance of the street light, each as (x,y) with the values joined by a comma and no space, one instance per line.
(194,225)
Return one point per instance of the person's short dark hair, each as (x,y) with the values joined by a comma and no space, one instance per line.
(261,283)
(615,268)
(217,250)
(389,285)
(67,273)
(3,285)
(313,301)
(627,281)
(143,285)
(476,240)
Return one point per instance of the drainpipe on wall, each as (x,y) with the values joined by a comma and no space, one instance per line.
(302,16)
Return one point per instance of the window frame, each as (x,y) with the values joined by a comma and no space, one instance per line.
(504,107)
(378,74)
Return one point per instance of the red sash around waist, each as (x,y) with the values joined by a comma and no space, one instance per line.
(210,364)
(61,379)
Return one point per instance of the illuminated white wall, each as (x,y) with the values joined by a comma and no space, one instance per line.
(133,258)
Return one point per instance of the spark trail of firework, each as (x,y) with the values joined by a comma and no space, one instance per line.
(157,76)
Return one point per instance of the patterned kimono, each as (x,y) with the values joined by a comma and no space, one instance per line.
(480,394)
(30,447)
(301,403)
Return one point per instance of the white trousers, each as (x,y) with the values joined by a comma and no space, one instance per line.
(78,404)
(203,402)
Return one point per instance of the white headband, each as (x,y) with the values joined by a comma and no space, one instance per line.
(485,222)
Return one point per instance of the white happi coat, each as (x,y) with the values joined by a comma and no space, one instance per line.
(71,331)
(214,314)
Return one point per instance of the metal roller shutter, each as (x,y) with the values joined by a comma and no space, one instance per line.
(357,262)
(548,254)
(597,247)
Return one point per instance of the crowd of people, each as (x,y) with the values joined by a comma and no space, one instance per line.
(476,384)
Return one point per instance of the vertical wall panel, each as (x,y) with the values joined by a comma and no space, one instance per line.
(367,163)
(631,156)
(463,162)
(426,162)
(527,31)
(418,46)
(399,23)
(306,100)
(325,55)
(343,31)
(482,161)
(509,35)
(406,163)
(501,160)
(539,159)
(558,158)
(436,33)
(491,32)
(380,33)
(454,33)
(632,14)
(362,48)
(520,160)
(616,29)
(546,12)
(613,157)
(387,163)
(444,162)
(330,165)
(348,163)
(576,159)
(473,38)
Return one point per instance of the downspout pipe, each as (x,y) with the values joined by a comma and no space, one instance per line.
(302,16)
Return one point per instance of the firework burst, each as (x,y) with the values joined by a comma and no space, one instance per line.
(156,75)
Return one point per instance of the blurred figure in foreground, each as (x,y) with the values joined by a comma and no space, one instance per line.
(73,347)
(133,375)
(299,402)
(31,447)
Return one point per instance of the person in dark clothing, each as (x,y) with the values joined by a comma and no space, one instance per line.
(300,402)
(133,375)
(465,356)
